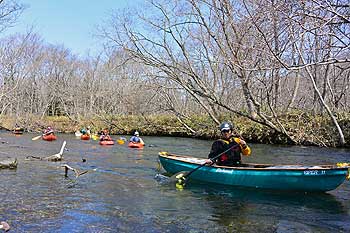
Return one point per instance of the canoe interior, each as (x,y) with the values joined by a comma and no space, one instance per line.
(200,161)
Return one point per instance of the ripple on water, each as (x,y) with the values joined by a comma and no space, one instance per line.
(122,192)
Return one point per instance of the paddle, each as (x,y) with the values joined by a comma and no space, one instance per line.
(37,137)
(183,175)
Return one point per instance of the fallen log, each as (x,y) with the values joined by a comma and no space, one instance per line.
(76,171)
(52,158)
(9,163)
(57,157)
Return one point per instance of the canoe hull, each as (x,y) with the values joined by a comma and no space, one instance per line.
(106,143)
(135,145)
(310,179)
(18,131)
(49,137)
(85,137)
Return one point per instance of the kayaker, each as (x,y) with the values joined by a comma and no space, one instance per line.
(48,130)
(18,129)
(136,138)
(86,131)
(104,136)
(228,141)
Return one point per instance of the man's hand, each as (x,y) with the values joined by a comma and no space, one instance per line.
(243,144)
(208,162)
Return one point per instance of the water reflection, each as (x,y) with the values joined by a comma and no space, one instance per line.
(251,210)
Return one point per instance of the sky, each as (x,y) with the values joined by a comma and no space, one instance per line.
(68,22)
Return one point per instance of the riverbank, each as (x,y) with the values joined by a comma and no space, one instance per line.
(305,129)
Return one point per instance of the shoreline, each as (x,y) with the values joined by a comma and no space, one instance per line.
(315,132)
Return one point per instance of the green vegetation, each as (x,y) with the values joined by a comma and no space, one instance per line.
(304,128)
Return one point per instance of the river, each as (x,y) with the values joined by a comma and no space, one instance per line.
(120,192)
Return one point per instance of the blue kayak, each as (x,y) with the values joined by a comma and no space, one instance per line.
(318,178)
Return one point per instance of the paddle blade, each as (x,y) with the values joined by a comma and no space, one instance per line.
(180,186)
(179,179)
(36,138)
(179,175)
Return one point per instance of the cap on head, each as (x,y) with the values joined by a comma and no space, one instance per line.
(136,133)
(226,126)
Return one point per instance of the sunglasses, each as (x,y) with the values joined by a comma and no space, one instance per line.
(225,131)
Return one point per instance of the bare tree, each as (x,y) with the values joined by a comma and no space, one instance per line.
(241,56)
(319,34)
(10,10)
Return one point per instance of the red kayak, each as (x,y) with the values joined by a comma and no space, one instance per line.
(18,131)
(107,143)
(49,137)
(136,145)
(85,137)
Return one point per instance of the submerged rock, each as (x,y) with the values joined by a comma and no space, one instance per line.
(9,163)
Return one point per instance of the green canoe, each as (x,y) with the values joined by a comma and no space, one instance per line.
(318,178)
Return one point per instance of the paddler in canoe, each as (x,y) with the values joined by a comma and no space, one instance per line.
(231,142)
(225,151)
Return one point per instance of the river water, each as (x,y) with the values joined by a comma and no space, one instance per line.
(121,194)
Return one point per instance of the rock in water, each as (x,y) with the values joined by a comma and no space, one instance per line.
(4,225)
(8,163)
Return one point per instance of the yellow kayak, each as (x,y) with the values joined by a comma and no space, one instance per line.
(95,137)
(120,141)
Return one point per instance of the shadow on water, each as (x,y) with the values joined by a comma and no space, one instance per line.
(254,210)
(324,202)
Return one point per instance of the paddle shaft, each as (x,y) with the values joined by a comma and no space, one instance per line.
(212,159)
(37,137)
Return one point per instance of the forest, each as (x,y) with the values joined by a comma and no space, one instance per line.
(279,70)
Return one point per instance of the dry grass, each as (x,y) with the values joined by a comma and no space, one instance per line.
(305,129)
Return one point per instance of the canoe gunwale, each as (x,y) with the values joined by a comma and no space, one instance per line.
(255,166)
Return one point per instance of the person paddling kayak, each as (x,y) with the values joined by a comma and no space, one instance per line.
(136,138)
(105,136)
